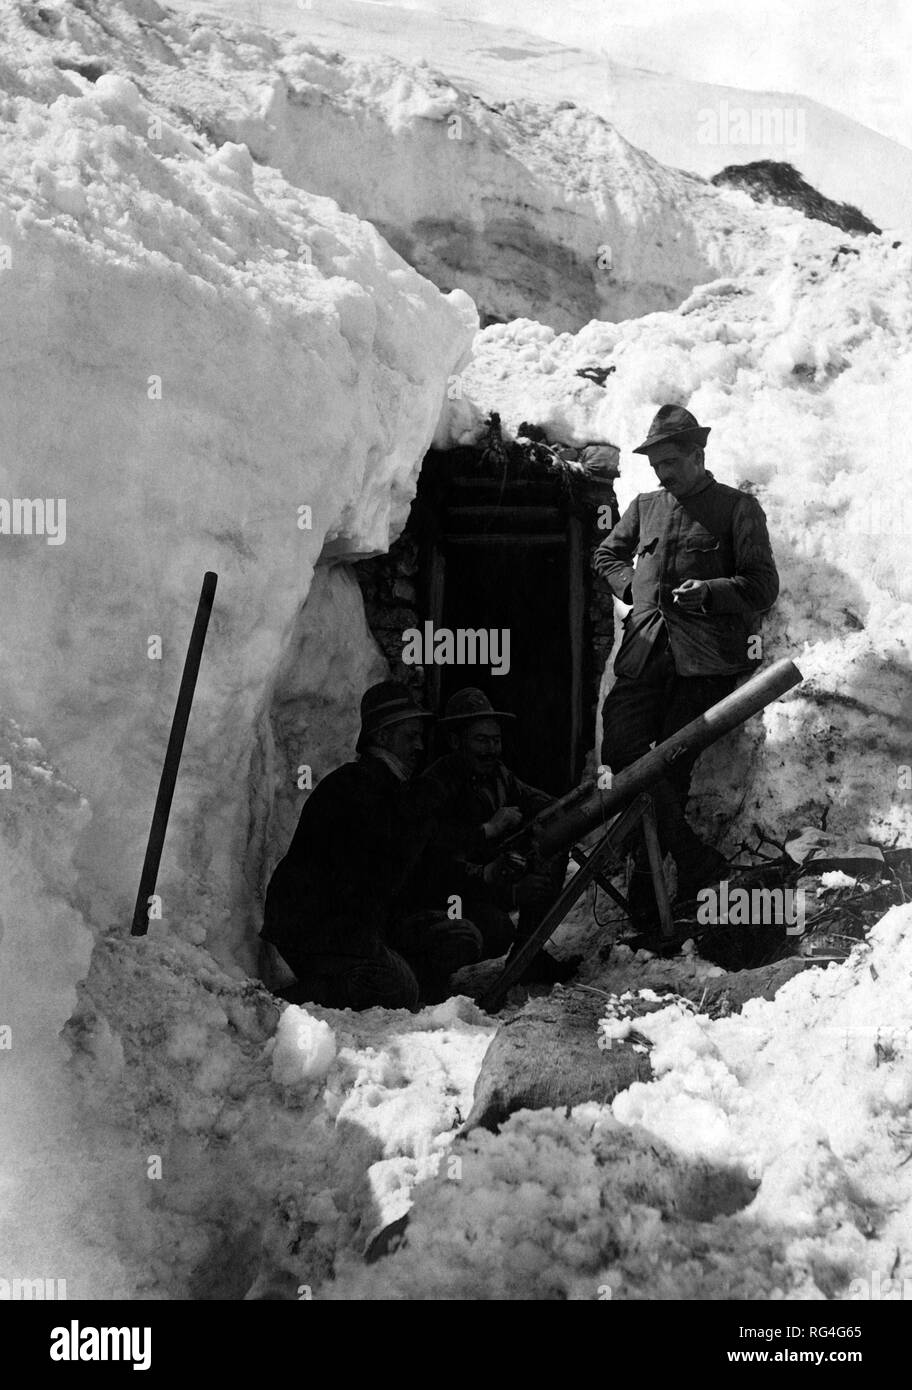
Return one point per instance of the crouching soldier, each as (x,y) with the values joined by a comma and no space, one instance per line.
(483,803)
(333,906)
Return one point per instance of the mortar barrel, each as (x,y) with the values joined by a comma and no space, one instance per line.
(587,807)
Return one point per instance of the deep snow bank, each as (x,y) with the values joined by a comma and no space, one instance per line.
(698,125)
(194,352)
(803,369)
(769,1159)
(280,1145)
(533,209)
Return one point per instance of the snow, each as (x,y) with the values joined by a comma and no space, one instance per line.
(305,1048)
(656,77)
(773,44)
(259,383)
(194,350)
(286,1135)
(766,1160)
(533,208)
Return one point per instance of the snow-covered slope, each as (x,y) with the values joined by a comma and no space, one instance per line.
(655,82)
(774,44)
(533,210)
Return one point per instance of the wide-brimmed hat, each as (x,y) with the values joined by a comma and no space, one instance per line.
(673,422)
(389,702)
(469,704)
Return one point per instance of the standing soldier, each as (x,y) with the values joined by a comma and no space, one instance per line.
(694,560)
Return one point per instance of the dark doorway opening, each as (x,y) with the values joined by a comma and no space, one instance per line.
(500,537)
(521,588)
(506,555)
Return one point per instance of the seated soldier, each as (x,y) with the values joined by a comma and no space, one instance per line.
(333,910)
(486,803)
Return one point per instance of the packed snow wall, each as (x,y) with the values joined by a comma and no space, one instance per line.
(203,368)
(194,395)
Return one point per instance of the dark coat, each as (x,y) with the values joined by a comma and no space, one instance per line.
(717,534)
(454,859)
(360,834)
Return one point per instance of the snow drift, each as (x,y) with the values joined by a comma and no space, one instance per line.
(532,209)
(662,82)
(204,395)
(213,370)
(768,1160)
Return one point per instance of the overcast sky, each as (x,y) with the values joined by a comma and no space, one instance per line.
(854,55)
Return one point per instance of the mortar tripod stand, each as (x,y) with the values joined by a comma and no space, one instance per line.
(607,853)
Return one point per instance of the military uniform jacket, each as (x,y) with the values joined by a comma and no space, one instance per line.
(717,534)
(360,834)
(456,853)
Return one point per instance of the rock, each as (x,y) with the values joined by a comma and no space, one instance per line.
(548,1055)
(728,994)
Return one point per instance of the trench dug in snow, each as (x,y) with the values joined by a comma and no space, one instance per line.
(213,1144)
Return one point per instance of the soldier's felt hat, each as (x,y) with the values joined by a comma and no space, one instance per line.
(389,702)
(673,422)
(467,704)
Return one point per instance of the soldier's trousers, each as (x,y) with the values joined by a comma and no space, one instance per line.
(647,709)
(413,964)
(492,915)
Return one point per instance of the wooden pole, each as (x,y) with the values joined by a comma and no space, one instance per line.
(606,852)
(162,811)
(659,886)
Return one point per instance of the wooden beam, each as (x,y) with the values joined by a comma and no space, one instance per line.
(507,538)
(580,857)
(530,514)
(659,886)
(576,596)
(607,850)
(436,590)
